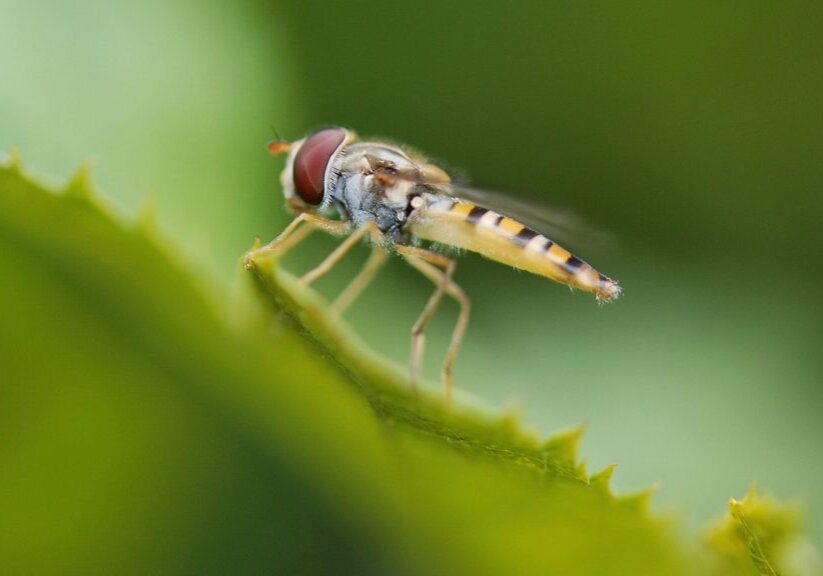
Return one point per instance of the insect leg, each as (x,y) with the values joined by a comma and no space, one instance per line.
(423,261)
(376,259)
(299,228)
(284,244)
(338,253)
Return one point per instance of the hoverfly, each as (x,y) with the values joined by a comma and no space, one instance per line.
(407,205)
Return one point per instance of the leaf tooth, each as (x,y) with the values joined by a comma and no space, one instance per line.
(80,185)
(564,443)
(11,161)
(146,221)
(640,500)
(603,478)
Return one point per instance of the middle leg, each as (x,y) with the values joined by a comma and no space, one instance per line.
(338,253)
(366,274)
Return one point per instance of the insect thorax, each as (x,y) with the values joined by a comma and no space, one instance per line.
(360,199)
(367,189)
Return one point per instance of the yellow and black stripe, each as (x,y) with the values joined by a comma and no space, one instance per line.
(506,240)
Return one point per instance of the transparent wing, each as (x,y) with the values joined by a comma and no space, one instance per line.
(561,225)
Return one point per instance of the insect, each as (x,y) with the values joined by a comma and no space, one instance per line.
(405,204)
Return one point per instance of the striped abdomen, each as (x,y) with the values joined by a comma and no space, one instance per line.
(465,225)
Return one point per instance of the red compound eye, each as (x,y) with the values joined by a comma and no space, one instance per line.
(311,162)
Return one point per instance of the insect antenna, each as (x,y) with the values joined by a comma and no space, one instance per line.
(278,145)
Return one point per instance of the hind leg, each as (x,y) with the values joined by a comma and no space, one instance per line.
(427,262)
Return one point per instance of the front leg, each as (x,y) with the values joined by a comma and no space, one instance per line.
(299,228)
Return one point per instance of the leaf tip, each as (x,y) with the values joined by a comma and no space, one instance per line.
(259,257)
(761,532)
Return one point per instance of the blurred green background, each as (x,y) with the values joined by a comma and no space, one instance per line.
(690,131)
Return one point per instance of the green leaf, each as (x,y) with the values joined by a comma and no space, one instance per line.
(152,425)
(761,536)
(390,394)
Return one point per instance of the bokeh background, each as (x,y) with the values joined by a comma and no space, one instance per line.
(691,132)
